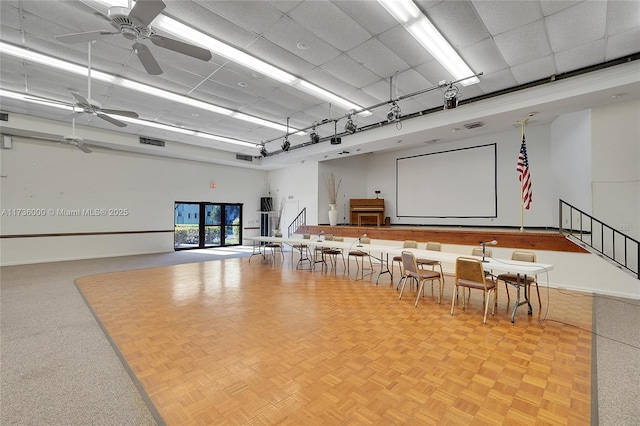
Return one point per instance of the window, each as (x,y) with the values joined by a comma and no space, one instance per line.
(219,225)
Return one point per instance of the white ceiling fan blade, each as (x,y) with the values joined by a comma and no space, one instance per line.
(146,58)
(83,37)
(111,120)
(181,47)
(130,114)
(83,148)
(82,101)
(145,11)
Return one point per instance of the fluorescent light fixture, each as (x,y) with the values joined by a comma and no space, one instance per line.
(54,104)
(133,85)
(192,35)
(404,11)
(34,100)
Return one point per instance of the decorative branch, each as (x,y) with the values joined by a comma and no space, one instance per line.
(332,187)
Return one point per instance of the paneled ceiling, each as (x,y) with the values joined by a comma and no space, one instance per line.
(353,49)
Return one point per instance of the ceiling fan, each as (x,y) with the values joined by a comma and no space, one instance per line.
(134,24)
(75,140)
(90,106)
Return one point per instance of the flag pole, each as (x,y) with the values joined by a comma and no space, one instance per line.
(522,124)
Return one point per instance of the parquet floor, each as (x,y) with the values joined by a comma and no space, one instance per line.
(231,342)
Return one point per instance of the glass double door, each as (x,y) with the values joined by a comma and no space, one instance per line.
(202,225)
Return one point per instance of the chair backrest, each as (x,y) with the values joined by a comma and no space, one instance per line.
(433,246)
(277,234)
(328,237)
(478,252)
(339,239)
(409,264)
(365,240)
(523,256)
(470,269)
(306,236)
(410,244)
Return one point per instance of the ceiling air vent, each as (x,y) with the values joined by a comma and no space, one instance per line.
(474,125)
(244,157)
(154,142)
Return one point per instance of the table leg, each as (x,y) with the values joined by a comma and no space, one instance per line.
(386,271)
(526,298)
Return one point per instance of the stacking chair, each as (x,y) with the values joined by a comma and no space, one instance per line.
(410,271)
(477,251)
(470,274)
(360,254)
(303,249)
(274,247)
(522,256)
(319,251)
(422,262)
(398,260)
(333,253)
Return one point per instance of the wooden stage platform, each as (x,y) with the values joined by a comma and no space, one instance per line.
(528,240)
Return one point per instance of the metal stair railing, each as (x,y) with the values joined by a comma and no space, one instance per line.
(605,240)
(300,220)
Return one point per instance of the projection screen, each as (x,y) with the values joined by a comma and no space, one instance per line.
(460,183)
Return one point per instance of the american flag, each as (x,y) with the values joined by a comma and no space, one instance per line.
(523,175)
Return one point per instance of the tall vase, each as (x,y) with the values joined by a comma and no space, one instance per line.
(333,215)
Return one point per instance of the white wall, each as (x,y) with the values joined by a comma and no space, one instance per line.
(570,160)
(43,175)
(381,175)
(615,168)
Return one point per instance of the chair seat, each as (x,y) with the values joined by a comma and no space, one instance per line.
(397,259)
(423,275)
(513,278)
(475,284)
(427,261)
(358,253)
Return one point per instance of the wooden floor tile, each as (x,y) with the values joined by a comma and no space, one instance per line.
(239,342)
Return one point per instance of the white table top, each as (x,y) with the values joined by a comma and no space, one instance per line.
(493,264)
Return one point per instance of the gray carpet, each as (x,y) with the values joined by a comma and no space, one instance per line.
(58,367)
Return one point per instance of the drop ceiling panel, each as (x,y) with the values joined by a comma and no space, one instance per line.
(484,57)
(582,56)
(587,26)
(503,16)
(370,15)
(273,54)
(254,16)
(400,42)
(524,44)
(336,27)
(378,58)
(288,34)
(535,70)
(623,44)
(350,71)
(451,16)
(622,16)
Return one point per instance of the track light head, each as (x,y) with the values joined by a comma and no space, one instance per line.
(394,113)
(263,151)
(451,96)
(285,144)
(349,126)
(313,136)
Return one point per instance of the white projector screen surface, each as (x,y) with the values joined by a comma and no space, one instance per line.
(460,183)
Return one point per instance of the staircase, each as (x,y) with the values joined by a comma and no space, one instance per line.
(600,238)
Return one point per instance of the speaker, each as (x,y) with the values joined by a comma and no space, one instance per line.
(266,204)
(7,142)
(336,141)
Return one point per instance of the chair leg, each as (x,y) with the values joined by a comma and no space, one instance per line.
(506,288)
(538,291)
(455,296)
